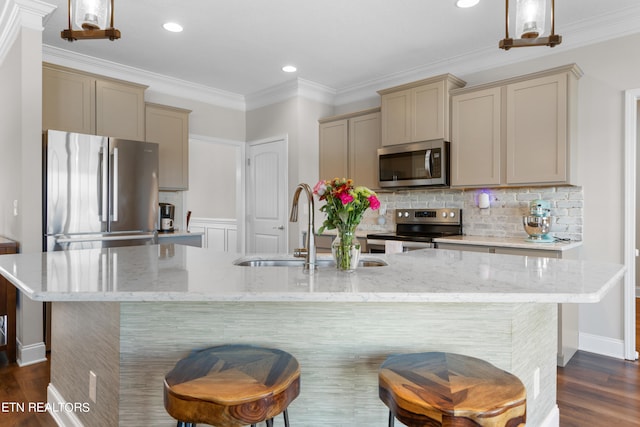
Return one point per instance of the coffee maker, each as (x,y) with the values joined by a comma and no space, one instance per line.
(167,215)
(538,223)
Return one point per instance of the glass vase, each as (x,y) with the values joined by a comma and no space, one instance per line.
(345,249)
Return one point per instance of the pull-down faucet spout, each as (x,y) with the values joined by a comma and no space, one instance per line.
(309,252)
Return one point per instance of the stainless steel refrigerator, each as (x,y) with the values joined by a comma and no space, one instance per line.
(98,191)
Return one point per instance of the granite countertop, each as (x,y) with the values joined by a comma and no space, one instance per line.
(508,242)
(148,273)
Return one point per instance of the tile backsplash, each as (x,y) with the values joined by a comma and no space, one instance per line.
(502,219)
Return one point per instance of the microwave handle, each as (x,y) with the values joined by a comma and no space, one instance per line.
(427,162)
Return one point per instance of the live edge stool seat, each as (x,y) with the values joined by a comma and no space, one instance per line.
(232,386)
(447,389)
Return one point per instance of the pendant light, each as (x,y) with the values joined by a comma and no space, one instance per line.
(90,19)
(530,25)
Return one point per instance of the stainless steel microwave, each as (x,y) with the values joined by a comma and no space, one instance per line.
(416,164)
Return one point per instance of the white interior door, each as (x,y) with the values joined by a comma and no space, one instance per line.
(267,197)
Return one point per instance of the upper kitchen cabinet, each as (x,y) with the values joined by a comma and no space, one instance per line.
(169,127)
(417,111)
(81,102)
(349,147)
(476,138)
(515,132)
(120,109)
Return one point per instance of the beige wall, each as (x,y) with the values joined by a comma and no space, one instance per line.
(212,179)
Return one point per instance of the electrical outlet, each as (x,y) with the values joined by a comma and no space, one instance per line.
(536,383)
(93,384)
(15,208)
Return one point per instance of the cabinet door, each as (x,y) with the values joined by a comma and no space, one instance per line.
(364,141)
(476,138)
(334,152)
(428,103)
(169,127)
(68,101)
(120,110)
(396,117)
(537,130)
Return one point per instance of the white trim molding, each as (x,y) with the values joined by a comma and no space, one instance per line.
(17,14)
(632,97)
(30,354)
(62,418)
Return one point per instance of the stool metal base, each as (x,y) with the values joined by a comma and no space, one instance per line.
(269,421)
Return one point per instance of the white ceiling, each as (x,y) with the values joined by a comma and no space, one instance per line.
(239,46)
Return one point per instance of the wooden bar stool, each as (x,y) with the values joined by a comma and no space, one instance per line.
(447,389)
(232,386)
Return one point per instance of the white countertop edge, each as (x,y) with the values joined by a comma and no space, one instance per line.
(368,298)
(508,242)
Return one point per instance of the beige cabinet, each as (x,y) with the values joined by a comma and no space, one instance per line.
(120,109)
(348,147)
(537,260)
(418,111)
(476,138)
(80,102)
(538,130)
(169,127)
(520,131)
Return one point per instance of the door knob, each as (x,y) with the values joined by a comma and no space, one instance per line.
(279,228)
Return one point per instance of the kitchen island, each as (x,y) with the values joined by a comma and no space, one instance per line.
(128,314)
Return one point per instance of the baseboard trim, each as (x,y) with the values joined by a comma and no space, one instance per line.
(552,419)
(30,354)
(604,346)
(62,418)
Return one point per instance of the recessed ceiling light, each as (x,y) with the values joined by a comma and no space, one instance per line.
(172,26)
(289,69)
(467,3)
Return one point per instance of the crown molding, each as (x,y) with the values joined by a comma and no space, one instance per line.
(156,82)
(292,88)
(17,14)
(604,27)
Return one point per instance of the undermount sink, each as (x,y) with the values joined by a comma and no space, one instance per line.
(299,262)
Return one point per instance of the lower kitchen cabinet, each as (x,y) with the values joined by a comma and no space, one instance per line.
(568,329)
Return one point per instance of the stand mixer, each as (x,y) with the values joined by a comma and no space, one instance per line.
(538,223)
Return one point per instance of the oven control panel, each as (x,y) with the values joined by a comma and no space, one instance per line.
(429,216)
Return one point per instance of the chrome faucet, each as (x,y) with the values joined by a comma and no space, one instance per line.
(309,252)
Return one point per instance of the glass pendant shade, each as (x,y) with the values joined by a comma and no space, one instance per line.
(91,14)
(530,21)
(530,17)
(90,19)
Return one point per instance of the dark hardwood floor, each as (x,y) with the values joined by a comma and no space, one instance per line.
(18,388)
(593,391)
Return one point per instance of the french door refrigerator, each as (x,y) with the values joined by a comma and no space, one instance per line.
(98,191)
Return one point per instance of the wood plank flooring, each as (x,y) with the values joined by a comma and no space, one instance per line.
(593,391)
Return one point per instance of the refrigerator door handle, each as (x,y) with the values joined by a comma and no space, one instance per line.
(104,190)
(115,185)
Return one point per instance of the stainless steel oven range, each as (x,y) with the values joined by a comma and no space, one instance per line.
(416,228)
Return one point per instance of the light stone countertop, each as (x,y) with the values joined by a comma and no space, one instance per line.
(183,273)
(508,242)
